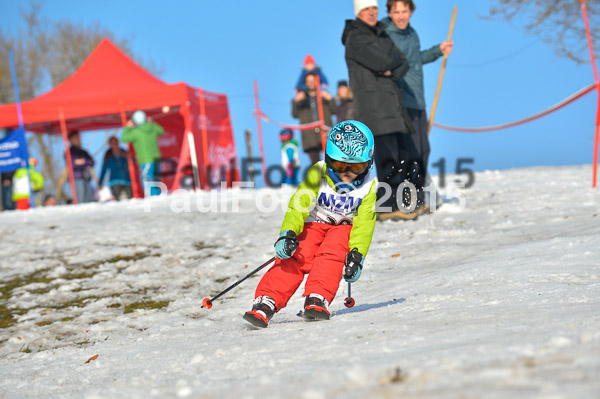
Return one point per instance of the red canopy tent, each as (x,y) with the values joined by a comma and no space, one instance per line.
(108,87)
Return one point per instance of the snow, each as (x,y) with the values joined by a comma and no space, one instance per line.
(495,295)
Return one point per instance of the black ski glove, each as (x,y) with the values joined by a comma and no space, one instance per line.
(353,266)
(286,244)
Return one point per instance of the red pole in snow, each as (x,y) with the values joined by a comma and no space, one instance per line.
(593,59)
(320,113)
(259,130)
(203,129)
(63,129)
(134,175)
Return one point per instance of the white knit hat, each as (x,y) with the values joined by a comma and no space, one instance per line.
(360,5)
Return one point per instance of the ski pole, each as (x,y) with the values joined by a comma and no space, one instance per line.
(207,302)
(349,302)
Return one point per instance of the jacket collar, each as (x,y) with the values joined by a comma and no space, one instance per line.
(351,24)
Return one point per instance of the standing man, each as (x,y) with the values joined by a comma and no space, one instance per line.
(375,66)
(405,37)
(305,108)
(82,165)
(144,134)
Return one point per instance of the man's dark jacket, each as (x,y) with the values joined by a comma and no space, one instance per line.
(377,99)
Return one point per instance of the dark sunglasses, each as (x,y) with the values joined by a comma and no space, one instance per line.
(341,167)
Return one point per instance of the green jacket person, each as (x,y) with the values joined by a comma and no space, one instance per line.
(143,133)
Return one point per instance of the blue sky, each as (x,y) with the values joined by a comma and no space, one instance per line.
(497,73)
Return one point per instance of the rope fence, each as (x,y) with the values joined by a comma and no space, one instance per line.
(548,111)
(561,104)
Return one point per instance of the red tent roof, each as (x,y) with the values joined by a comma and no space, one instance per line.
(93,97)
(109,85)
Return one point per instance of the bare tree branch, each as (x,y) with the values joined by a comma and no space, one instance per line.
(558,23)
(46,53)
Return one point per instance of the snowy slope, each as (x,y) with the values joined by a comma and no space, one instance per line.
(497,298)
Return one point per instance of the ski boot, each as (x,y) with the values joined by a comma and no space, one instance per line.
(315,307)
(263,309)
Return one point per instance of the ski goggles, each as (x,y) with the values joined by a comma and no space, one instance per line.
(341,167)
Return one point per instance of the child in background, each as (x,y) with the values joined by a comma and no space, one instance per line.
(309,66)
(290,159)
(327,229)
(21,187)
(115,163)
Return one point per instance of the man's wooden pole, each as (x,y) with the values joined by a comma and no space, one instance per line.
(442,71)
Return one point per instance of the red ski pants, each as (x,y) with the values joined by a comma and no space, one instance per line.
(320,254)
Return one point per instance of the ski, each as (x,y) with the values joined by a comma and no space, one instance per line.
(256,319)
(310,316)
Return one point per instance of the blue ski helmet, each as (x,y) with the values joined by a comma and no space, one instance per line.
(350,141)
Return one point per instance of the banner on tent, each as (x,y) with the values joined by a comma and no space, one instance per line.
(13,151)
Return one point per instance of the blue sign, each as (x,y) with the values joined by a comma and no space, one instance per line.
(13,151)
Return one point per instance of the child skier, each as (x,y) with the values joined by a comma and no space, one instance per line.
(290,159)
(327,229)
(310,67)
